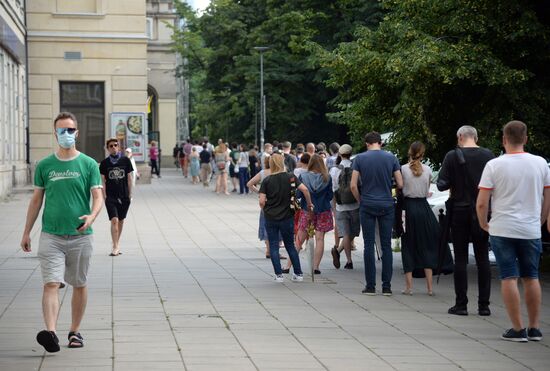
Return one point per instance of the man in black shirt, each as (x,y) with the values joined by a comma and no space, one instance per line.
(206,169)
(117,189)
(460,172)
(290,160)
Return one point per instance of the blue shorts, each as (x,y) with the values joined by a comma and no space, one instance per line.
(517,257)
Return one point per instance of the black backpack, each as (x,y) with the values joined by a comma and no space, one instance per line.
(343,194)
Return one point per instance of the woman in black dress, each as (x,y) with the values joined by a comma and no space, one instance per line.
(420,241)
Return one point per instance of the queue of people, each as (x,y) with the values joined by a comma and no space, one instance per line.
(306,193)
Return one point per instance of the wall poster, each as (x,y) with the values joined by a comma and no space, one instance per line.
(130,128)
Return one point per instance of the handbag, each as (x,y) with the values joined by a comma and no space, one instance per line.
(221,165)
(294,203)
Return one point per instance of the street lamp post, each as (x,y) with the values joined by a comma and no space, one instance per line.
(262,49)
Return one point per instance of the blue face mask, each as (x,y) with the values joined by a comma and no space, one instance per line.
(65,139)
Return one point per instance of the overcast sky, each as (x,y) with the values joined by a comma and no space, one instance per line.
(199,4)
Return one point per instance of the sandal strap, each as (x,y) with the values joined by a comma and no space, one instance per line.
(75,336)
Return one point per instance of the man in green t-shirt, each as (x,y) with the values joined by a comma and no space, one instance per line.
(68,179)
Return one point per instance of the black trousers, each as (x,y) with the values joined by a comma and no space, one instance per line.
(465,228)
(154,168)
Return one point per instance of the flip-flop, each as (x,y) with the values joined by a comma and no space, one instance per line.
(75,340)
(49,340)
(111,254)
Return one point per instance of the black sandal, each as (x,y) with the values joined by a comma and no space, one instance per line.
(75,340)
(49,340)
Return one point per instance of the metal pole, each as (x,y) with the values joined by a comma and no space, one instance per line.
(262,101)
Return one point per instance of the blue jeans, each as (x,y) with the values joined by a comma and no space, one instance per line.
(243,179)
(385,216)
(517,257)
(286,229)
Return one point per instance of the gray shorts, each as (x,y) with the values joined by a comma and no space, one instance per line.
(65,258)
(348,223)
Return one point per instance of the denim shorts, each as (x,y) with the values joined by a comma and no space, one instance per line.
(517,257)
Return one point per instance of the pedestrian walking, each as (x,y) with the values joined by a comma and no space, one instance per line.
(135,173)
(116,176)
(206,168)
(194,165)
(290,160)
(154,157)
(181,158)
(187,147)
(460,172)
(268,150)
(253,186)
(233,167)
(376,168)
(255,166)
(67,179)
(243,163)
(222,163)
(346,207)
(419,242)
(301,166)
(175,152)
(319,184)
(334,152)
(276,193)
(517,184)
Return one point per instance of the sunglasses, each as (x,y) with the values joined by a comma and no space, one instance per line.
(61,131)
(113,145)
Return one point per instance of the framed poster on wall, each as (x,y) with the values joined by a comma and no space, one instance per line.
(130,128)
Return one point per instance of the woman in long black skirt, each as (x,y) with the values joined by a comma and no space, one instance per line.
(419,243)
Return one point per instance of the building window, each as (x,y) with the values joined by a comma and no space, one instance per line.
(86,100)
(149,28)
(12,137)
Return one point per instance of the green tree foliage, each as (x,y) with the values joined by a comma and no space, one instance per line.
(434,65)
(224,68)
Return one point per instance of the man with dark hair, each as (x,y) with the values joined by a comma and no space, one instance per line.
(460,172)
(117,189)
(518,186)
(346,208)
(331,160)
(376,168)
(66,179)
(233,167)
(290,160)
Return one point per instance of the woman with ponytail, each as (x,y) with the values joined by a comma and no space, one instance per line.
(420,241)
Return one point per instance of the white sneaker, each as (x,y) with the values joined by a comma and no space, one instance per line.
(297,277)
(279,278)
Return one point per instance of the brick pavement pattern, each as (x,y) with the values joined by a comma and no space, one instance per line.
(193,291)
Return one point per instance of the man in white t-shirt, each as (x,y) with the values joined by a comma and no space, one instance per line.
(518,186)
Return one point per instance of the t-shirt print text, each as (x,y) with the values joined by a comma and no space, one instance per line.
(117,173)
(61,175)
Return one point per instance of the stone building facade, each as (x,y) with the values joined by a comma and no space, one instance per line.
(13,88)
(88,57)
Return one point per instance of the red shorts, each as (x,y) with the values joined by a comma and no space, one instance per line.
(322,222)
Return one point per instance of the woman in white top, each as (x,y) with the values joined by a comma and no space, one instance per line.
(135,173)
(421,238)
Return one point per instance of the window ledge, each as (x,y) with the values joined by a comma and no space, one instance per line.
(78,15)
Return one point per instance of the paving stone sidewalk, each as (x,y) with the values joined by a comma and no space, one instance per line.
(193,291)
